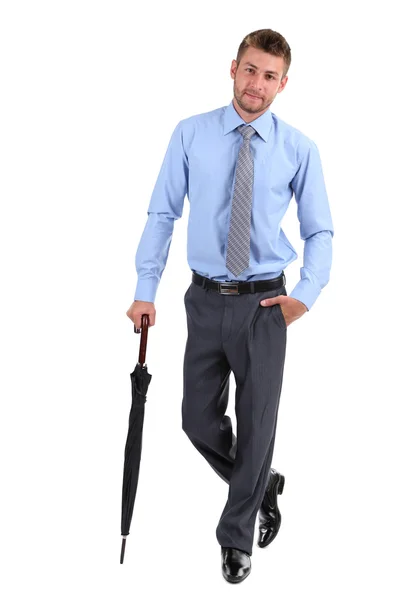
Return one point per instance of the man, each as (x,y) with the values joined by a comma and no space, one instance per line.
(239,166)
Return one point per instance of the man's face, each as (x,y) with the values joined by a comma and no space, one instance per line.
(254,90)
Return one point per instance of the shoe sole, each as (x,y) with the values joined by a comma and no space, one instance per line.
(235,580)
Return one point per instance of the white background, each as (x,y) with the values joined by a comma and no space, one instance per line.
(91,92)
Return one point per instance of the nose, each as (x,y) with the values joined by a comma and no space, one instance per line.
(257,81)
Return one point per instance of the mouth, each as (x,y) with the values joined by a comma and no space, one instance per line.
(253,97)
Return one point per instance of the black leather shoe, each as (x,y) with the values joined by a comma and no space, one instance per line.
(270,517)
(236,564)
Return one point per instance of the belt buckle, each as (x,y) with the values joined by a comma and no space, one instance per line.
(231,288)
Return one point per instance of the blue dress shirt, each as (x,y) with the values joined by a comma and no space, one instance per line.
(200,162)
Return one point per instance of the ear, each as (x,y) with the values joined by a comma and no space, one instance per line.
(283,84)
(233,69)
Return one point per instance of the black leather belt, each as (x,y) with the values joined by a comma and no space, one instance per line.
(240,287)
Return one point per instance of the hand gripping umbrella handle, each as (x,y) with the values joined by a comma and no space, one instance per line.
(143,338)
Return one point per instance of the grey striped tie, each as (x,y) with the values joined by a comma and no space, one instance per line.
(238,251)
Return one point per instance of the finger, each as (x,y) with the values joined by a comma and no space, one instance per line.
(271,301)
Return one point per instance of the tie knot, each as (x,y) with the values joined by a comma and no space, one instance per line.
(247,131)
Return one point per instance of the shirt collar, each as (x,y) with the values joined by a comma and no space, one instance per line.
(262,124)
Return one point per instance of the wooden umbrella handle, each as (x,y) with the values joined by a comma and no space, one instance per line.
(143,338)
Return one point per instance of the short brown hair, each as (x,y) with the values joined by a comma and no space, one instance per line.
(269,41)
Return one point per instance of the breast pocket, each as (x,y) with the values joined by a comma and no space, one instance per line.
(273,174)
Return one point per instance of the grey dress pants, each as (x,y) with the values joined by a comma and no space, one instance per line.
(234,333)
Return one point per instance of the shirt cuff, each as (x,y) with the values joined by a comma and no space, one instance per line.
(146,289)
(306,291)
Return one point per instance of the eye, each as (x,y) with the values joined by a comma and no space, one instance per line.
(249,69)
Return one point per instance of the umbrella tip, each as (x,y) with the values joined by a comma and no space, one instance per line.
(121,560)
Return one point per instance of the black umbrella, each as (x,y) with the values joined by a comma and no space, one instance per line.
(140,380)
